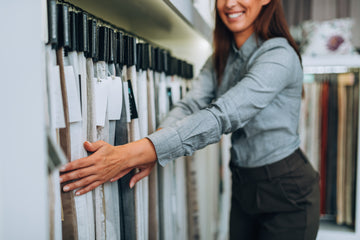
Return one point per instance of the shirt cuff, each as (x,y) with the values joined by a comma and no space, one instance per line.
(168,145)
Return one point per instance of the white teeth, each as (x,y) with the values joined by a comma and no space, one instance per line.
(235,15)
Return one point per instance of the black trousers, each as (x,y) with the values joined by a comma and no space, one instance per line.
(279,201)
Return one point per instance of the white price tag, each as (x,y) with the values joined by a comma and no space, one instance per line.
(101,98)
(115,98)
(73,95)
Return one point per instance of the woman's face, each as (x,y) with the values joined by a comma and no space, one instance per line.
(239,15)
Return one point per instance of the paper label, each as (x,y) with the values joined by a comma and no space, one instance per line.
(57,108)
(101,98)
(115,98)
(72,95)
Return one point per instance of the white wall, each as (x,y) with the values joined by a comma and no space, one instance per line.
(23,205)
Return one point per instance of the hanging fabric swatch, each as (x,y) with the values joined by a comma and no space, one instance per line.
(153,176)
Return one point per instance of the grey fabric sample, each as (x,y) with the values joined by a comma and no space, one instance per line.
(126,195)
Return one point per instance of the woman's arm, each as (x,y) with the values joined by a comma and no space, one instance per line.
(109,163)
(273,70)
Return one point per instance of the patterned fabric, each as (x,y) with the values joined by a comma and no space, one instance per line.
(328,37)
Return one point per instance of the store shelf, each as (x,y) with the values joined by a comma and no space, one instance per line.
(336,64)
(330,64)
(185,34)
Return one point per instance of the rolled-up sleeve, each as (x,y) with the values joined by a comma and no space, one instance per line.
(268,74)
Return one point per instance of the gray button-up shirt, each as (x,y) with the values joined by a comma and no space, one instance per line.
(258,101)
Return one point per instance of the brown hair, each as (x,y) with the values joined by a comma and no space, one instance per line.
(265,29)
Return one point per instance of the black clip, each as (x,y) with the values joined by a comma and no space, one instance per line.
(120,49)
(82,27)
(139,56)
(73,31)
(146,56)
(165,62)
(152,59)
(52,23)
(63,26)
(92,53)
(103,43)
(111,47)
(158,60)
(131,51)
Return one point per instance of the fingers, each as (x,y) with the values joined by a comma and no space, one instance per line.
(78,174)
(80,183)
(86,161)
(140,175)
(120,175)
(93,147)
(88,188)
(80,163)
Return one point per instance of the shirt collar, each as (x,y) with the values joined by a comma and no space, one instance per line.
(250,45)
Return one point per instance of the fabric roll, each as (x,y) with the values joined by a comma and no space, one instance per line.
(349,166)
(314,133)
(151,102)
(167,187)
(331,152)
(354,135)
(181,203)
(143,124)
(162,97)
(55,201)
(341,140)
(156,91)
(225,187)
(134,136)
(142,99)
(192,200)
(167,201)
(111,191)
(96,133)
(55,208)
(324,144)
(78,130)
(69,225)
(302,120)
(153,183)
(126,195)
(179,177)
(88,197)
(134,124)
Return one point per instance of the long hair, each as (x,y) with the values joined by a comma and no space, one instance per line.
(265,29)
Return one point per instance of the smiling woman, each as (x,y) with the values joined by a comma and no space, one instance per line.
(251,87)
(240,18)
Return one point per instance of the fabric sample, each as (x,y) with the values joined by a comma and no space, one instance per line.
(69,226)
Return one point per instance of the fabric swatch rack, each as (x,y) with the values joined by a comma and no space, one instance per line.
(104,84)
(329,135)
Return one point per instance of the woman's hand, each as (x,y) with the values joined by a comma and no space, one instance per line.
(108,163)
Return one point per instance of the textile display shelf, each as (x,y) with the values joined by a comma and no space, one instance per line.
(338,65)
